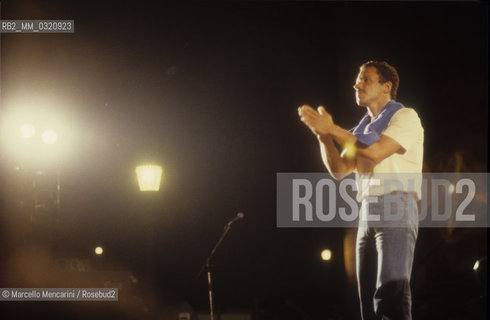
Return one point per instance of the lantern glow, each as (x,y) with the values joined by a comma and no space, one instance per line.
(149,177)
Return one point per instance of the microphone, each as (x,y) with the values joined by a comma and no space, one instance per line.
(239,216)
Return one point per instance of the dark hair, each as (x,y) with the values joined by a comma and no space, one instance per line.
(386,73)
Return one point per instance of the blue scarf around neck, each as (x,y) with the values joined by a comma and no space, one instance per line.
(367,131)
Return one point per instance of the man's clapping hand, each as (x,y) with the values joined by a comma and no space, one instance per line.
(319,121)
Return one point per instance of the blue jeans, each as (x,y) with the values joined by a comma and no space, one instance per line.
(384,256)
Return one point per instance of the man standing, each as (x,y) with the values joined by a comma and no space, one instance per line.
(388,140)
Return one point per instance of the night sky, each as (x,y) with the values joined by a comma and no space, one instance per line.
(210,90)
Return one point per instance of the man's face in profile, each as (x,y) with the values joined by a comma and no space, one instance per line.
(368,88)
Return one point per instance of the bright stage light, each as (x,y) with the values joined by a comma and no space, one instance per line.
(149,177)
(50,136)
(37,134)
(451,188)
(99,251)
(349,151)
(326,255)
(476,265)
(27,131)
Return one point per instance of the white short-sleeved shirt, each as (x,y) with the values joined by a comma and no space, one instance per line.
(402,171)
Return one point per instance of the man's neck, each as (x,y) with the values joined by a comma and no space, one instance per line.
(375,107)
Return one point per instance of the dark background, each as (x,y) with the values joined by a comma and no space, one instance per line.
(210,91)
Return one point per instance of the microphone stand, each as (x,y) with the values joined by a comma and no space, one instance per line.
(208,266)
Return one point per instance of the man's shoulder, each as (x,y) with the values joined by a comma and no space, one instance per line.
(406,113)
(405,119)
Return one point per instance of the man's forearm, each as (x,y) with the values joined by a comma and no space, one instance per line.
(375,152)
(321,123)
(342,136)
(335,164)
